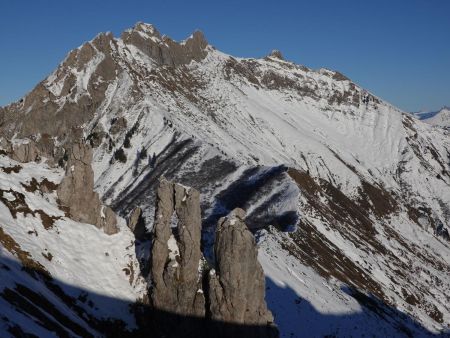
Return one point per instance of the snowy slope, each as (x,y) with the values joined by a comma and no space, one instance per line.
(356,189)
(88,276)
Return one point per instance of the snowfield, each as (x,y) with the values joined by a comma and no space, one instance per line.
(89,266)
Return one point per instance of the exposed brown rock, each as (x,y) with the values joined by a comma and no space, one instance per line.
(176,251)
(29,150)
(237,287)
(235,292)
(276,54)
(25,152)
(14,169)
(134,217)
(136,223)
(39,113)
(5,145)
(118,125)
(176,286)
(30,265)
(76,192)
(164,50)
(243,69)
(46,146)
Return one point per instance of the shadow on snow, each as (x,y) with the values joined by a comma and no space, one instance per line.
(34,304)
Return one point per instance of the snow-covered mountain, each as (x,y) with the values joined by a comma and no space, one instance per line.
(439,118)
(348,196)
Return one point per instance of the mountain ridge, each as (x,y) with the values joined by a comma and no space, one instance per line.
(336,172)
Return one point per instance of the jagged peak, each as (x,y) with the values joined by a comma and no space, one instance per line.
(150,31)
(163,49)
(147,29)
(197,36)
(103,35)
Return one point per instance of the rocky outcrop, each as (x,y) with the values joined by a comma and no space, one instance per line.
(76,192)
(176,254)
(234,294)
(24,152)
(30,150)
(118,125)
(276,54)
(162,49)
(36,149)
(136,224)
(176,251)
(237,286)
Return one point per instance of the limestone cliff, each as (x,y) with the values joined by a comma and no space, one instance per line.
(76,192)
(233,293)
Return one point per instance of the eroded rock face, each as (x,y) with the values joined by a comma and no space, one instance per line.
(30,150)
(119,125)
(233,302)
(176,286)
(39,112)
(25,152)
(162,49)
(137,224)
(176,251)
(237,287)
(76,192)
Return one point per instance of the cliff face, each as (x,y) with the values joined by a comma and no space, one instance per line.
(181,283)
(162,49)
(76,191)
(236,287)
(176,254)
(237,284)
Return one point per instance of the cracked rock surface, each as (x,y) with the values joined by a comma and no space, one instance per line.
(76,192)
(237,286)
(233,293)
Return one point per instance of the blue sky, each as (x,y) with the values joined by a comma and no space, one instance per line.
(398,49)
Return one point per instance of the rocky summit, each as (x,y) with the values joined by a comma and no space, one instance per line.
(152,186)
